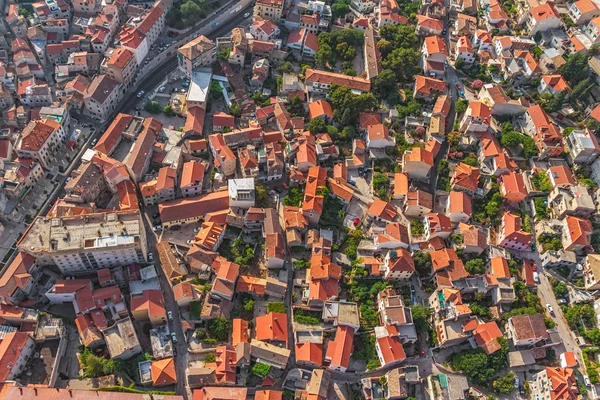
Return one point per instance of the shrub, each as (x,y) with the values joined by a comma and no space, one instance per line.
(210,358)
(261,369)
(276,306)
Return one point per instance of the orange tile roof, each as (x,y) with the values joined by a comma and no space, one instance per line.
(391,349)
(223,119)
(268,395)
(19,267)
(10,351)
(403,261)
(460,202)
(579,229)
(382,209)
(251,284)
(340,190)
(272,327)
(196,206)
(318,108)
(378,131)
(331,78)
(563,385)
(513,182)
(226,270)
(512,228)
(340,349)
(426,85)
(167,177)
(499,267)
(438,223)
(194,120)
(442,105)
(225,364)
(36,133)
(417,154)
(322,268)
(309,352)
(400,184)
(435,44)
(192,174)
(240,332)
(431,23)
(570,359)
(556,82)
(561,175)
(466,176)
(150,301)
(163,372)
(543,12)
(209,234)
(120,57)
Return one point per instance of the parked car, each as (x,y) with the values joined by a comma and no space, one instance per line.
(190,241)
(157,228)
(161,89)
(516,382)
(536,277)
(170,315)
(141,94)
(150,257)
(156,215)
(197,229)
(587,381)
(94,142)
(173,337)
(561,301)
(550,309)
(246,15)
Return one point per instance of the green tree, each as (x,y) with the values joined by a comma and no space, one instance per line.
(421,317)
(286,67)
(316,125)
(505,384)
(575,69)
(510,139)
(560,289)
(152,107)
(261,196)
(461,105)
(417,228)
(168,111)
(249,305)
(385,83)
(405,62)
(582,89)
(475,266)
(219,328)
(400,36)
(235,109)
(423,264)
(294,197)
(191,12)
(210,358)
(339,9)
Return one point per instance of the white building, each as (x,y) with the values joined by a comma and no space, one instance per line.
(241,192)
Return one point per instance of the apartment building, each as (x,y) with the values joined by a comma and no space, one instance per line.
(582,146)
(271,9)
(583,11)
(153,24)
(555,383)
(318,81)
(102,97)
(120,66)
(200,52)
(192,178)
(40,139)
(86,243)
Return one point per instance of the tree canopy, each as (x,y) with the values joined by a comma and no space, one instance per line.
(575,69)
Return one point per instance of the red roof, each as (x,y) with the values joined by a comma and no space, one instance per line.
(340,349)
(272,327)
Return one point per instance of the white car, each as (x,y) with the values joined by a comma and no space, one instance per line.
(550,309)
(161,89)
(94,142)
(190,241)
(150,257)
(246,15)
(173,337)
(197,229)
(170,315)
(516,382)
(587,381)
(141,94)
